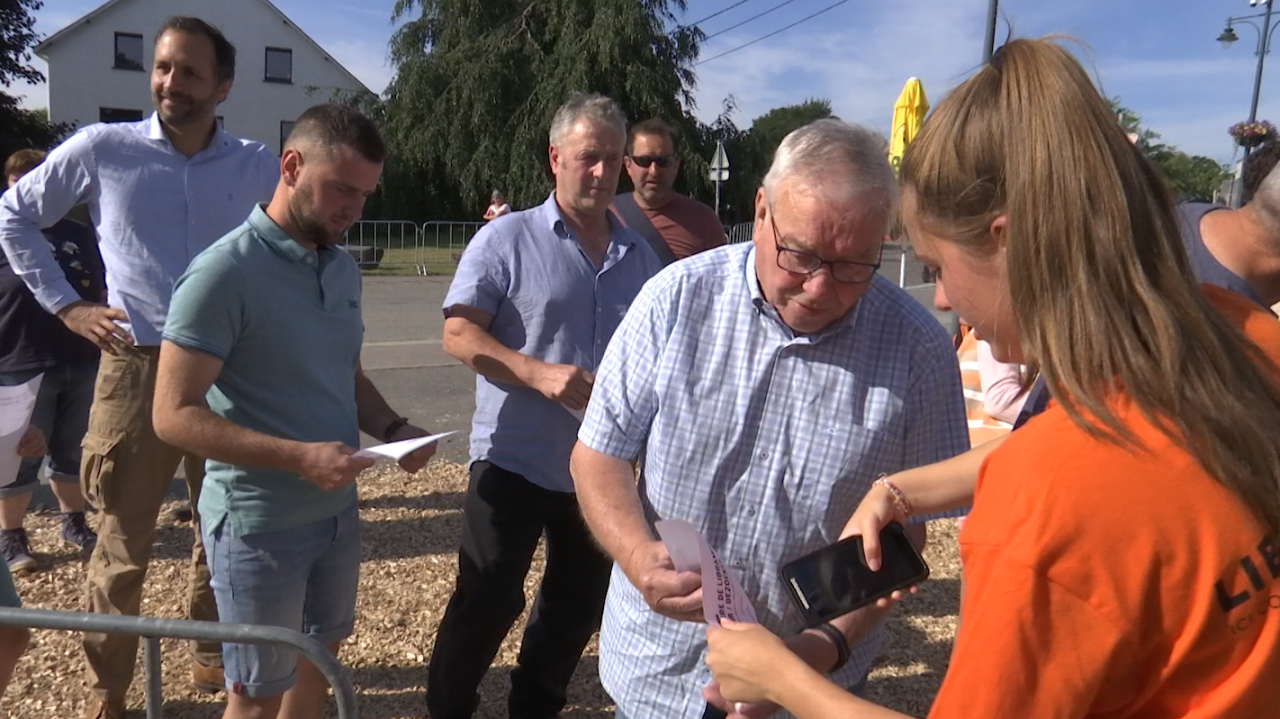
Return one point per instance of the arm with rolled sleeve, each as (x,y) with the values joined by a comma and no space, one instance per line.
(41,198)
(615,428)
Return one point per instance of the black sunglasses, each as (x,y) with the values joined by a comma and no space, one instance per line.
(646,160)
(804,263)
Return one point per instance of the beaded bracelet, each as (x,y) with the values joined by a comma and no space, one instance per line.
(899,498)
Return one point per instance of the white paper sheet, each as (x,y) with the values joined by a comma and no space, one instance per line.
(16,404)
(397,450)
(722,596)
(578,414)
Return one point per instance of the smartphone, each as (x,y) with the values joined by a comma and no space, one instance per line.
(835,580)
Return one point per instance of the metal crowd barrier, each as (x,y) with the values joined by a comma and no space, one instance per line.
(401,243)
(152,629)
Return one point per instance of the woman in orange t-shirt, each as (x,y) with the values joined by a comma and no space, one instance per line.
(1122,557)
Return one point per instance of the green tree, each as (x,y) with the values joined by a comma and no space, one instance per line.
(477,82)
(751,152)
(20,128)
(1192,178)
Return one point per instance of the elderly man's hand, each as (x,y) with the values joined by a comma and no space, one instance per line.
(670,593)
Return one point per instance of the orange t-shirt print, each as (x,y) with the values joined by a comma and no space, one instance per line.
(1107,582)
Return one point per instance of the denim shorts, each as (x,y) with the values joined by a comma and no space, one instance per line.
(302,578)
(61,413)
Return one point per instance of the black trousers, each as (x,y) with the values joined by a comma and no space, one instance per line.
(504,516)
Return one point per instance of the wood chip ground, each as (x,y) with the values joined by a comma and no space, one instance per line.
(410,530)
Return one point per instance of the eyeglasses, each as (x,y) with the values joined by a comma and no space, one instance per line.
(804,263)
(646,160)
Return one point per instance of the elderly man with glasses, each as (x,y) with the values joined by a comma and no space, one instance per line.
(769,384)
(675,225)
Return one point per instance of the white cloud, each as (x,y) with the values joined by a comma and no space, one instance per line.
(860,67)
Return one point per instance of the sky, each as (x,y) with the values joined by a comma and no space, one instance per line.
(1160,58)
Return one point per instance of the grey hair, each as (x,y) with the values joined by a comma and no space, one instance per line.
(595,108)
(837,160)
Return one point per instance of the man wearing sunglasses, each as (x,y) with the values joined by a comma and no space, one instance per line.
(675,225)
(769,384)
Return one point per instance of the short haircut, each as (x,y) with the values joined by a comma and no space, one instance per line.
(598,109)
(335,125)
(652,127)
(1260,164)
(836,159)
(224,53)
(22,162)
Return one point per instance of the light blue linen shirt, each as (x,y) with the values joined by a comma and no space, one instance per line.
(550,302)
(764,440)
(153,208)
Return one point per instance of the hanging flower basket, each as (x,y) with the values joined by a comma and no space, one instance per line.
(1252,134)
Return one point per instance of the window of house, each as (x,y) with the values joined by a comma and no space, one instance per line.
(118,114)
(279,65)
(128,51)
(286,127)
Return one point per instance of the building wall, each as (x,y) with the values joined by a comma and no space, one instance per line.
(82,77)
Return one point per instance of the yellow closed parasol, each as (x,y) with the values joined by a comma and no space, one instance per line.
(908,116)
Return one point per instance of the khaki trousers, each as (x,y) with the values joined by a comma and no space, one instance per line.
(126,471)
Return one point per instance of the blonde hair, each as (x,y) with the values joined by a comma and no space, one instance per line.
(1102,291)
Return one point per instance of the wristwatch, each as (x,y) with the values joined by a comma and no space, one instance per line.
(394,427)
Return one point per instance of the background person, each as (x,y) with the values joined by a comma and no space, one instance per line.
(497,207)
(34,342)
(676,226)
(532,308)
(160,191)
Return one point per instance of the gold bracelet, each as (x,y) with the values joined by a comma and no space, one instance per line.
(899,497)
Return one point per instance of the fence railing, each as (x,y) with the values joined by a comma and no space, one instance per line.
(152,629)
(436,246)
(427,247)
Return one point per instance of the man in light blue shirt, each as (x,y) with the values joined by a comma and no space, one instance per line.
(159,192)
(536,299)
(769,384)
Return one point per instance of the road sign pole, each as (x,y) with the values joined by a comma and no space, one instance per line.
(719,171)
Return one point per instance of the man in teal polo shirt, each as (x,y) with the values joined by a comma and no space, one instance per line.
(260,372)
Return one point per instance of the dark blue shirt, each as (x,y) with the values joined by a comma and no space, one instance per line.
(30,337)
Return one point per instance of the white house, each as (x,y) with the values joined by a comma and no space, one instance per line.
(100,65)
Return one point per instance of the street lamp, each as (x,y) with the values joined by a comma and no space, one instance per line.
(1227,37)
(1265,32)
